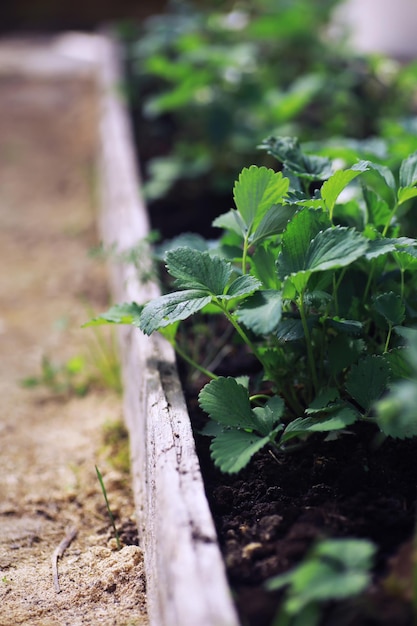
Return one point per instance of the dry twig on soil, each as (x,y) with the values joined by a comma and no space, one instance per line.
(59,551)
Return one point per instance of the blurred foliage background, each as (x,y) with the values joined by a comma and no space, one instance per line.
(208,82)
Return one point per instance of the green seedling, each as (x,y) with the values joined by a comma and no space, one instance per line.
(103,361)
(68,378)
(335,569)
(111,516)
(98,367)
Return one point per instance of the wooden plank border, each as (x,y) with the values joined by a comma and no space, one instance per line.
(186,581)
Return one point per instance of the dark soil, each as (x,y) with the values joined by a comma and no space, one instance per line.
(269,515)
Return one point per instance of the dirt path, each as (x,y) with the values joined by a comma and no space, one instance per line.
(50,441)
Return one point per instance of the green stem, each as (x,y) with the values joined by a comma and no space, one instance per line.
(240,331)
(191,361)
(309,347)
(336,285)
(402,282)
(245,253)
(368,286)
(292,401)
(388,339)
(259,396)
(391,215)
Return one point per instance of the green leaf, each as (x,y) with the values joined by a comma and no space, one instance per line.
(396,413)
(268,416)
(343,351)
(385,175)
(334,569)
(330,249)
(256,190)
(379,247)
(322,400)
(406,258)
(128,313)
(321,582)
(351,553)
(296,240)
(170,308)
(406,193)
(335,247)
(232,450)
(227,402)
(333,187)
(399,362)
(263,266)
(231,221)
(408,171)
(409,334)
(288,151)
(242,286)
(196,270)
(368,380)
(340,417)
(273,223)
(391,307)
(291,329)
(350,327)
(378,211)
(261,312)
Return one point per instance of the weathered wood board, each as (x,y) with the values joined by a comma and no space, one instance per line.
(185,574)
(186,582)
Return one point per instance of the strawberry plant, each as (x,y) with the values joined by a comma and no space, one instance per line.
(315,273)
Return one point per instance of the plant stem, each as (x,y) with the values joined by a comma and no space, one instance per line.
(259,396)
(336,285)
(310,355)
(245,253)
(292,401)
(241,332)
(391,215)
(388,339)
(368,285)
(402,282)
(191,361)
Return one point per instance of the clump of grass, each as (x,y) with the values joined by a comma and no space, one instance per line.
(98,367)
(116,445)
(104,360)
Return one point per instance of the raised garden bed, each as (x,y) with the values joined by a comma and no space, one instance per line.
(268,516)
(280,512)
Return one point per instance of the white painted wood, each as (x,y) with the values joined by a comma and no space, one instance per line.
(186,582)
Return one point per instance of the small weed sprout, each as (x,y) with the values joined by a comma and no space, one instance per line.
(113,523)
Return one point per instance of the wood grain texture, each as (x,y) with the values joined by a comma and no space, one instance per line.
(186,582)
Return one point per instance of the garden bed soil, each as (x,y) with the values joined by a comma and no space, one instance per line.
(269,515)
(50,440)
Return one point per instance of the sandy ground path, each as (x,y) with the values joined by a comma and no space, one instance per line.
(50,442)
